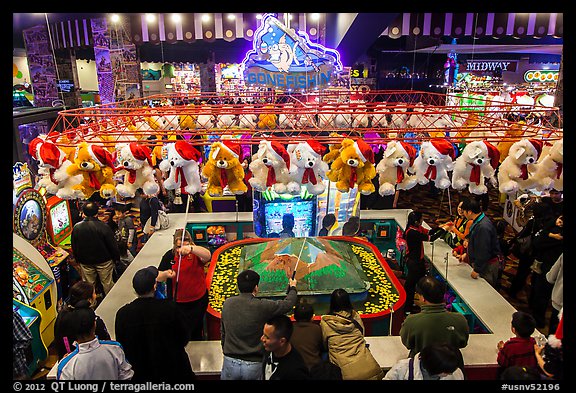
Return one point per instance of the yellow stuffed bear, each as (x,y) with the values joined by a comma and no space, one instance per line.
(95,164)
(267,120)
(333,149)
(224,168)
(354,165)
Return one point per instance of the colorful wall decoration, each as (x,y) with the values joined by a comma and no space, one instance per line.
(41,65)
(103,61)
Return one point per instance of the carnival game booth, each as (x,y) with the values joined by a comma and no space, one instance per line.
(320,265)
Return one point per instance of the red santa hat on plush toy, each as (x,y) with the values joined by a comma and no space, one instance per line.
(493,154)
(141,152)
(47,152)
(187,151)
(364,151)
(233,148)
(444,147)
(315,147)
(279,152)
(409,150)
(102,156)
(538,144)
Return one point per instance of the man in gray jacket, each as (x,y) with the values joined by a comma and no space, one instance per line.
(242,320)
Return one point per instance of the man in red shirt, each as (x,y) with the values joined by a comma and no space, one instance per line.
(187,284)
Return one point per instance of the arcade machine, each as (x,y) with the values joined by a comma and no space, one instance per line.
(30,221)
(34,285)
(37,352)
(342,205)
(59,229)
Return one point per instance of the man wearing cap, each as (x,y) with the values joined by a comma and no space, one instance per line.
(242,321)
(94,247)
(153,333)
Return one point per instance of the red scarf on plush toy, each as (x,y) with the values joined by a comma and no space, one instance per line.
(309,176)
(524,171)
(353,177)
(52,170)
(399,174)
(94,183)
(223,178)
(475,174)
(271,179)
(131,173)
(430,172)
(180,175)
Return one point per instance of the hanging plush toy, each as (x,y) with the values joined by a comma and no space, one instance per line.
(52,166)
(95,164)
(393,168)
(135,167)
(182,164)
(516,170)
(478,162)
(267,120)
(306,167)
(269,167)
(224,168)
(434,162)
(550,169)
(333,149)
(354,166)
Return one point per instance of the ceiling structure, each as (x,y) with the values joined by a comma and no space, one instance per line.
(353,34)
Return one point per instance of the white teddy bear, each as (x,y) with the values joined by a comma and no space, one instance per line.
(269,167)
(550,169)
(478,162)
(135,167)
(182,162)
(393,168)
(434,162)
(52,165)
(307,167)
(516,169)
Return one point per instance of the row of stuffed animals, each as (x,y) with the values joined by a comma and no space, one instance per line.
(77,173)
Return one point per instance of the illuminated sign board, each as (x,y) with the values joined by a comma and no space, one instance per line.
(284,59)
(491,65)
(541,76)
(21,177)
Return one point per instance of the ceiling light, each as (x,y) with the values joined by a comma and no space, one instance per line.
(176,18)
(150,18)
(115,18)
(231,16)
(205,18)
(258,16)
(315,16)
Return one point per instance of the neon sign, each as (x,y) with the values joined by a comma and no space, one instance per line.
(285,59)
(541,76)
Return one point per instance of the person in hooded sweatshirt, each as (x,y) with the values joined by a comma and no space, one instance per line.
(343,335)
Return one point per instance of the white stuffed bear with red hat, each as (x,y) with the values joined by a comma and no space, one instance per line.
(269,167)
(182,164)
(550,169)
(478,162)
(306,167)
(516,169)
(52,165)
(135,167)
(393,168)
(434,162)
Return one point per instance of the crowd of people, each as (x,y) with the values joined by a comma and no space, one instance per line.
(260,342)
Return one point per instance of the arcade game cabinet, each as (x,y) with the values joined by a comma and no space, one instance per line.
(29,222)
(37,351)
(33,284)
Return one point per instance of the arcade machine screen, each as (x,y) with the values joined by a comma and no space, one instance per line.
(59,223)
(28,279)
(342,204)
(302,211)
(31,220)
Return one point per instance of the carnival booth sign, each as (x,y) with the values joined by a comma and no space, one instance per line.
(287,60)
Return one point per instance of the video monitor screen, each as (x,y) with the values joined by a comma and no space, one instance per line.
(290,219)
(65,85)
(60,219)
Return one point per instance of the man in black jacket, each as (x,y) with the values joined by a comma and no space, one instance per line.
(153,333)
(94,247)
(483,243)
